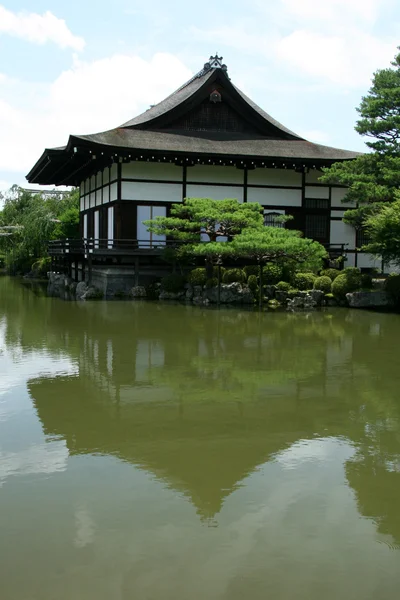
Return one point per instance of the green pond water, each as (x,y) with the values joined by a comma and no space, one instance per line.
(160,452)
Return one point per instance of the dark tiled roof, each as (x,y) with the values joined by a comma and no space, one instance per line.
(218,144)
(156,131)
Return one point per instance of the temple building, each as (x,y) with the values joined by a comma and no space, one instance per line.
(207,139)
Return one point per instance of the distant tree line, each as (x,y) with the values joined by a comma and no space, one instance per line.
(28,220)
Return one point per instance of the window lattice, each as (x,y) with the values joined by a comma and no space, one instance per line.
(318,203)
(270,219)
(317,227)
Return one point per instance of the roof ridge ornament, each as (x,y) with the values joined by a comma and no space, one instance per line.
(214,62)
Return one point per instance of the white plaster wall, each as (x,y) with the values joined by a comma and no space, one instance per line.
(87,203)
(341,233)
(113,191)
(98,197)
(99,181)
(87,186)
(269,196)
(366,261)
(155,192)
(114,171)
(276,177)
(82,204)
(313,176)
(215,174)
(317,192)
(92,200)
(106,175)
(92,182)
(337,196)
(82,188)
(106,194)
(337,213)
(216,192)
(351,260)
(148,170)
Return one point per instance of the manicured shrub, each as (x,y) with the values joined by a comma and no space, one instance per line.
(213,282)
(304,281)
(251,270)
(252,283)
(323,283)
(197,276)
(173,283)
(347,282)
(234,275)
(283,286)
(331,273)
(392,286)
(272,273)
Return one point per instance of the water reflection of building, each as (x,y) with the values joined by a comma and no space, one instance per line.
(203,398)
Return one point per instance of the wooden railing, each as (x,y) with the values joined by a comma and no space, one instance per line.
(93,245)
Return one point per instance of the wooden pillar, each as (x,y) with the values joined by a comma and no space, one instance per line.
(136,271)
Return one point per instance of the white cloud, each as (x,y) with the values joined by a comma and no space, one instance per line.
(345,60)
(36,459)
(39,29)
(337,10)
(87,98)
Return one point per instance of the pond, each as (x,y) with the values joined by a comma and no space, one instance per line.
(168,452)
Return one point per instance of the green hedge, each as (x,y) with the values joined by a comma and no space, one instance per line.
(251,270)
(349,281)
(323,283)
(197,276)
(272,274)
(252,283)
(331,273)
(304,281)
(233,276)
(283,286)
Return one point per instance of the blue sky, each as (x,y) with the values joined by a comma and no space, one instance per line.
(82,67)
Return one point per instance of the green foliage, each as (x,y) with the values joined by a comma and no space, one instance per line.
(392,286)
(251,270)
(384,233)
(214,218)
(349,281)
(234,275)
(272,273)
(197,276)
(283,286)
(173,283)
(28,220)
(272,244)
(323,283)
(331,273)
(304,281)
(374,177)
(212,282)
(252,283)
(41,266)
(68,226)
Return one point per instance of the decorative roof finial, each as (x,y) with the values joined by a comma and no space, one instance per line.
(214,62)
